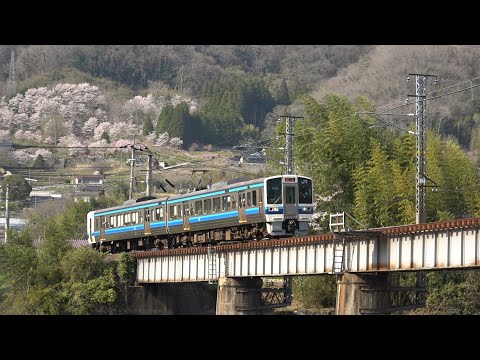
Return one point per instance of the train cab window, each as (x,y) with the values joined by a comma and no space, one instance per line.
(290,195)
(198,207)
(216,204)
(254,198)
(274,191)
(207,206)
(249,199)
(225,203)
(305,191)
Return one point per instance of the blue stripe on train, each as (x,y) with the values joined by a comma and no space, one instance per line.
(197,219)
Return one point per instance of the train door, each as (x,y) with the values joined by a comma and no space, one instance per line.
(103,225)
(242,215)
(146,216)
(290,208)
(185,213)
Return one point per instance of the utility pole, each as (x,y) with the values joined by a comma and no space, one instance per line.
(289,133)
(421,144)
(11,84)
(7,214)
(132,166)
(148,191)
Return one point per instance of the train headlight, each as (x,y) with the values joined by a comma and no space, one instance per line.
(274,209)
(306,208)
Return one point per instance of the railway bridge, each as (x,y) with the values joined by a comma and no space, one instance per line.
(361,260)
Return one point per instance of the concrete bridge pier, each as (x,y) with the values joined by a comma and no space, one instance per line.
(239,296)
(170,299)
(360,294)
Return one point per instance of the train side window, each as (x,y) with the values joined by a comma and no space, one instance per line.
(147,215)
(216,204)
(172,211)
(234,201)
(127,219)
(241,200)
(97,223)
(249,199)
(260,196)
(254,197)
(160,213)
(207,206)
(134,218)
(190,205)
(113,221)
(179,209)
(120,220)
(198,207)
(225,203)
(140,217)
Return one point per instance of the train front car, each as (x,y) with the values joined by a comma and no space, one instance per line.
(91,228)
(289,205)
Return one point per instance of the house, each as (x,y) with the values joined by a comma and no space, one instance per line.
(89,180)
(88,186)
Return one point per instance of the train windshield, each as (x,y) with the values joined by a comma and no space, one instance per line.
(304,191)
(274,191)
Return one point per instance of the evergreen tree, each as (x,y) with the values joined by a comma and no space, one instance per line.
(39,162)
(105,137)
(282,96)
(147,126)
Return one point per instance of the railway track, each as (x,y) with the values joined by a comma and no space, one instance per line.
(312,239)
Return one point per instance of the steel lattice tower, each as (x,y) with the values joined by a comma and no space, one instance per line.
(11,84)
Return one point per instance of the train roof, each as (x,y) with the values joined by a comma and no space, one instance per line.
(238,183)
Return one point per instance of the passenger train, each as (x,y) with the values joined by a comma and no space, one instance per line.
(268,207)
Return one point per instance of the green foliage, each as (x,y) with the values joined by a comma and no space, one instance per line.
(19,187)
(229,104)
(105,137)
(147,126)
(178,122)
(72,221)
(95,296)
(332,142)
(282,96)
(82,265)
(315,291)
(126,269)
(39,162)
(55,278)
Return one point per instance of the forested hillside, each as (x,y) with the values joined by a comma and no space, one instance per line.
(271,76)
